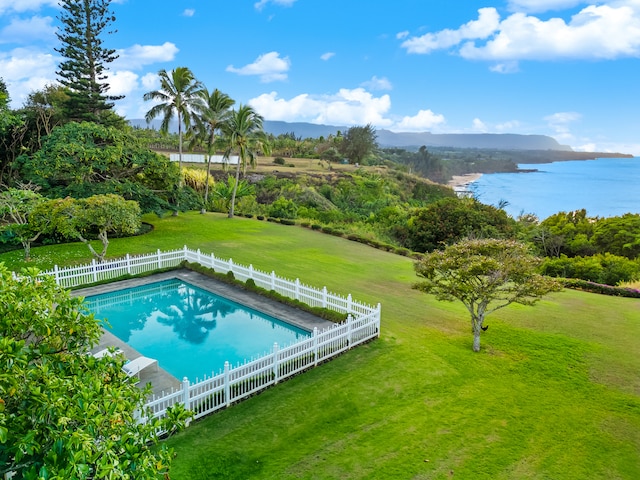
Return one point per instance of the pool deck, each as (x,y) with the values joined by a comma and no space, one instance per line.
(160,379)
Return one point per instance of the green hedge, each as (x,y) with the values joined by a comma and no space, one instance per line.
(250,285)
(600,288)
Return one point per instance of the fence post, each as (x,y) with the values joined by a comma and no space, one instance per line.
(276,365)
(186,394)
(273,280)
(297,290)
(128,264)
(378,318)
(315,346)
(349,304)
(227,388)
(198,253)
(93,267)
(324,297)
(159,260)
(231,264)
(185,252)
(349,328)
(251,271)
(56,274)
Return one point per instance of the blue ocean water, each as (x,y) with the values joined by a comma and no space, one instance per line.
(605,187)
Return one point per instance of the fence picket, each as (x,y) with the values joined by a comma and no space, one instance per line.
(235,383)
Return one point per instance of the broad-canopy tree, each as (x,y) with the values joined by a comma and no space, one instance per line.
(212,116)
(99,216)
(449,220)
(63,413)
(24,215)
(245,136)
(358,142)
(485,275)
(84,68)
(84,159)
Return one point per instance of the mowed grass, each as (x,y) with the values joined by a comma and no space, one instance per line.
(554,393)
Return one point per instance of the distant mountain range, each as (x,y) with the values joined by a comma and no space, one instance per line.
(408,140)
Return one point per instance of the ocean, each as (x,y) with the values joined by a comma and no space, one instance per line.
(605,187)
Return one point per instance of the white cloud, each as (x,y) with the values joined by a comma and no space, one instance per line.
(189,12)
(487,23)
(150,81)
(327,56)
(263,3)
(506,67)
(25,5)
(347,107)
(24,70)
(402,35)
(269,67)
(377,84)
(479,126)
(137,56)
(423,120)
(122,82)
(28,30)
(607,31)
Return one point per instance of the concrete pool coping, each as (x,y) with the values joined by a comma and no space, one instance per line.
(160,379)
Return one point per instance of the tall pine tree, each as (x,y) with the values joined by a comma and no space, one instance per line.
(83,71)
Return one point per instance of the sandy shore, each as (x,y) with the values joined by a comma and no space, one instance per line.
(463,180)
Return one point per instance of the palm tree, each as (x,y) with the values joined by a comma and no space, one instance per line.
(244,135)
(179,95)
(212,115)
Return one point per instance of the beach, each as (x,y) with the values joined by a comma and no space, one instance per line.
(460,183)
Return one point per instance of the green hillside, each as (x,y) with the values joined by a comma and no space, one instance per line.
(555,392)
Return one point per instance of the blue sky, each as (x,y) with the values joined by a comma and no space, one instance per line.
(564,68)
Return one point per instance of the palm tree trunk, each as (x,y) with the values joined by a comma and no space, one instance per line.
(175,213)
(206,185)
(235,189)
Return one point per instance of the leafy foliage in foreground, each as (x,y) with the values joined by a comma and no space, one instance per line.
(63,413)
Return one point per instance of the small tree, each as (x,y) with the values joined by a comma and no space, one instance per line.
(485,275)
(358,142)
(97,215)
(24,215)
(63,413)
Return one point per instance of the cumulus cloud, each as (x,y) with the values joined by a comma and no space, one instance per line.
(122,83)
(137,56)
(189,12)
(346,107)
(269,67)
(377,84)
(423,120)
(607,31)
(327,56)
(28,30)
(479,126)
(25,70)
(20,6)
(487,23)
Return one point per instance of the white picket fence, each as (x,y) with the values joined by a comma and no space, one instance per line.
(236,383)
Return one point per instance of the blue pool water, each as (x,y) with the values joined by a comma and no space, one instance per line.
(190,331)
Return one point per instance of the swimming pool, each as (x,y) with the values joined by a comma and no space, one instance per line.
(190,331)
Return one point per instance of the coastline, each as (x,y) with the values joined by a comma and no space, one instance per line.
(460,182)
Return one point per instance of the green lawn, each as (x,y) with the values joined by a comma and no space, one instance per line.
(554,393)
